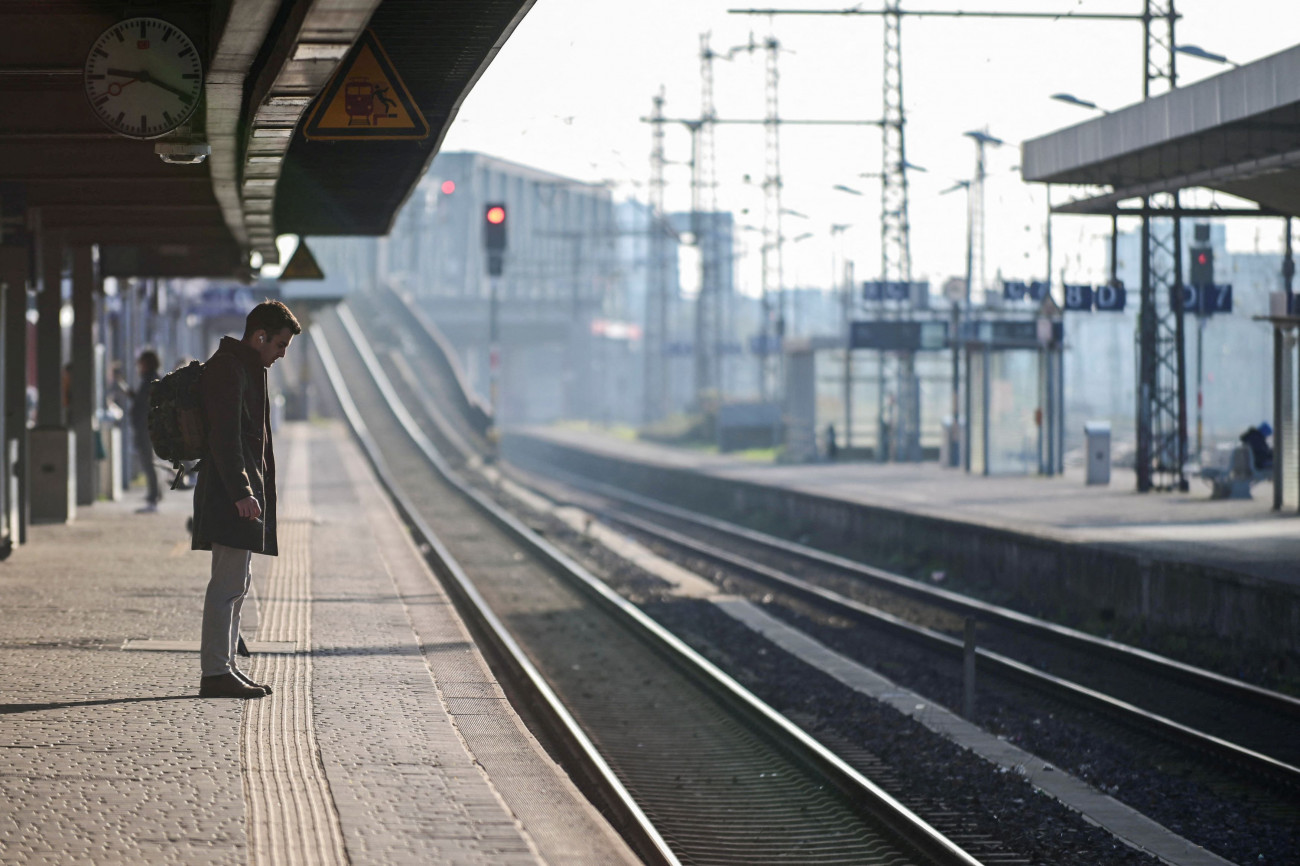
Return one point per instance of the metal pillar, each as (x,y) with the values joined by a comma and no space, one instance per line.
(6,531)
(49,335)
(959,442)
(1051,403)
(494,354)
(81,409)
(51,443)
(975,253)
(1279,396)
(1280,415)
(1060,407)
(14,276)
(1200,388)
(843,273)
(968,405)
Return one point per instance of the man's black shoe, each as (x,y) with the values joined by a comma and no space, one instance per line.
(228,686)
(241,648)
(246,679)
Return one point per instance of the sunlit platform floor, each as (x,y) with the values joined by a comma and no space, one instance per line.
(386,740)
(1245,536)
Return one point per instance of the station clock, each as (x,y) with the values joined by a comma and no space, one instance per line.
(143,77)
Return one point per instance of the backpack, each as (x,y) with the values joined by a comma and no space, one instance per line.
(177,429)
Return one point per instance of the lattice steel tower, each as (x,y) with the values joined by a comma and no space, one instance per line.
(773,252)
(704,219)
(1162,378)
(657,289)
(895,237)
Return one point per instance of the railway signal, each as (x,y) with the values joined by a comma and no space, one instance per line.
(494,237)
(1202,267)
(494,242)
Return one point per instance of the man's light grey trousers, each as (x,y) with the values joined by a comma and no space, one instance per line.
(231,577)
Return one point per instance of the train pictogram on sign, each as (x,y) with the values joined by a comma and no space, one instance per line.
(366,100)
(366,104)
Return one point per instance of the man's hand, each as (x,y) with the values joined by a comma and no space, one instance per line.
(248,508)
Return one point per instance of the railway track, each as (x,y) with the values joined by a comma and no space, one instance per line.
(1244,725)
(1248,726)
(1201,786)
(692,767)
(1173,802)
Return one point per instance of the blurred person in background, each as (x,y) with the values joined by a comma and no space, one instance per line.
(146,368)
(1256,438)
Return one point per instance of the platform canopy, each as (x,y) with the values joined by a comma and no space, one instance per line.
(267,66)
(1238,133)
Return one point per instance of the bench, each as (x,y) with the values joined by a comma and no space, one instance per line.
(1234,480)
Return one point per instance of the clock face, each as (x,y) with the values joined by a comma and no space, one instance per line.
(143,77)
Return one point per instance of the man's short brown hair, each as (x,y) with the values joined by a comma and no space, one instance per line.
(272,317)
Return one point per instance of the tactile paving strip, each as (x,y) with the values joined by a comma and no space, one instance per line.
(291,815)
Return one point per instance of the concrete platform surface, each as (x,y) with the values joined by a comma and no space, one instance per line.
(386,740)
(1243,535)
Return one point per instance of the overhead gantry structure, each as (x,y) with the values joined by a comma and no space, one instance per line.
(313,117)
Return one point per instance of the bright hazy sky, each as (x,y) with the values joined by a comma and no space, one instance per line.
(567,92)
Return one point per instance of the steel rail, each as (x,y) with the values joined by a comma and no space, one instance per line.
(780,731)
(1120,710)
(964,605)
(634,824)
(1015,620)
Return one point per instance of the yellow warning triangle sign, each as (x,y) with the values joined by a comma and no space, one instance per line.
(366,100)
(302,265)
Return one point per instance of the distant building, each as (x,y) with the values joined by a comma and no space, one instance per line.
(561,282)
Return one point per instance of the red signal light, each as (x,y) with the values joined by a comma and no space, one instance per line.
(1202,258)
(496,215)
(448,187)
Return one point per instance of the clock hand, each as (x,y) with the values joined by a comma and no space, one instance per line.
(126,73)
(165,86)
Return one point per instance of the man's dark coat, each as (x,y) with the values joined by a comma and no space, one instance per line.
(239,461)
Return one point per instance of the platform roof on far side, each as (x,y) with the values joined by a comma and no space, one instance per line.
(1238,133)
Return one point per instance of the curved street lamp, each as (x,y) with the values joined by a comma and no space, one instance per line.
(1198,51)
(1074,100)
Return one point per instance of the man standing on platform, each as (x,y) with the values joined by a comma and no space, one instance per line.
(234,500)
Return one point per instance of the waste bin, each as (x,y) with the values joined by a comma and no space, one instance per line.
(1097,436)
(950,444)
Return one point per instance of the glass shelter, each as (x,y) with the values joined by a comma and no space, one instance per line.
(1013,396)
